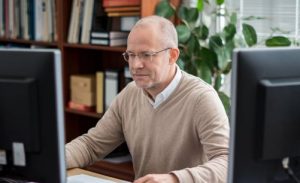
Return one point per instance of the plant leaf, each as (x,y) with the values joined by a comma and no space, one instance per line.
(222,57)
(249,34)
(219,2)
(164,9)
(193,45)
(229,31)
(200,5)
(218,82)
(191,67)
(209,57)
(215,41)
(278,41)
(225,100)
(180,63)
(204,71)
(227,68)
(201,32)
(183,32)
(189,15)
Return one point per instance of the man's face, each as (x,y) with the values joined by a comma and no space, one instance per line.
(150,73)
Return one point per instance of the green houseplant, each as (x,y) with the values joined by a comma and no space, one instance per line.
(205,53)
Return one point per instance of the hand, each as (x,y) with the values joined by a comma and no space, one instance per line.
(157,178)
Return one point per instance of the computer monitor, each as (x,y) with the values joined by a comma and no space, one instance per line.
(31,115)
(265,115)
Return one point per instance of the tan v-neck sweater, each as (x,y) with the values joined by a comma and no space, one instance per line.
(187,134)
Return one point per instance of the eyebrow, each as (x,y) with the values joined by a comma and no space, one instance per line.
(146,51)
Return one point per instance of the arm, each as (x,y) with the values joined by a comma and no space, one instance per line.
(98,142)
(212,126)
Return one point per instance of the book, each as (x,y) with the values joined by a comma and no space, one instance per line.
(111,87)
(127,75)
(110,34)
(75,25)
(16,19)
(110,3)
(74,16)
(79,26)
(31,19)
(24,22)
(122,9)
(127,22)
(99,92)
(10,19)
(39,9)
(2,19)
(125,13)
(83,97)
(87,21)
(109,42)
(48,28)
(99,20)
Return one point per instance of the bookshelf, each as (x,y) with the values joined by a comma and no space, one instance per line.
(85,59)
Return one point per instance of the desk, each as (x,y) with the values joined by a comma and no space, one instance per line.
(77,171)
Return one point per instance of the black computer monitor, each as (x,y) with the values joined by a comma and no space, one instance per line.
(265,115)
(31,115)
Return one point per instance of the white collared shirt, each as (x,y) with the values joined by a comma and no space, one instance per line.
(162,96)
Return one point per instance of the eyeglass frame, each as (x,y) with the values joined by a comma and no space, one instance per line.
(145,54)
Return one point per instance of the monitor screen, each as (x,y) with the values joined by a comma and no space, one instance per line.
(31,115)
(265,115)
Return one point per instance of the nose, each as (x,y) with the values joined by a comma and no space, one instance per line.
(136,62)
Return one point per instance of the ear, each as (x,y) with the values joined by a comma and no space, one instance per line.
(174,54)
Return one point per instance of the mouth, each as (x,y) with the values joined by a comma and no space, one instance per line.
(138,76)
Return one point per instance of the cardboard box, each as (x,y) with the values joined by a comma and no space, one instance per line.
(83,83)
(82,97)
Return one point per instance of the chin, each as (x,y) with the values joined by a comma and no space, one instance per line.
(143,85)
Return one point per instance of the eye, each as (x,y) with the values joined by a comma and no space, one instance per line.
(131,55)
(146,55)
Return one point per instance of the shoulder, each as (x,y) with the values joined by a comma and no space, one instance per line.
(195,85)
(202,94)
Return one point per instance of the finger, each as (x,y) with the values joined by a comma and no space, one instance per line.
(145,179)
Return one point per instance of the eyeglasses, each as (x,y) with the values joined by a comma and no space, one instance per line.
(143,56)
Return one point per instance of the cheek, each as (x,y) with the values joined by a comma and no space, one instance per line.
(161,72)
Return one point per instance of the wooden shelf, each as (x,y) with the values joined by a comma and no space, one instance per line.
(28,42)
(84,113)
(95,47)
(118,170)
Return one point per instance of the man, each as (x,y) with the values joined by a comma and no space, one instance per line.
(174,124)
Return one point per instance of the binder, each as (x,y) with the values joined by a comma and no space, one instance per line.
(99,92)
(111,87)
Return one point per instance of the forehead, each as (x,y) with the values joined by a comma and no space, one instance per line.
(143,38)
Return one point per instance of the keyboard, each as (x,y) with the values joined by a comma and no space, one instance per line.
(10,180)
(82,178)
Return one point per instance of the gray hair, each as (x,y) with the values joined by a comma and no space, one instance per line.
(168,32)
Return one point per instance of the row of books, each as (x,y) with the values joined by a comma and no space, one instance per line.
(95,92)
(28,19)
(89,19)
(115,3)
(122,7)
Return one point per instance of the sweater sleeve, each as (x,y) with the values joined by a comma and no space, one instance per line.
(98,142)
(211,123)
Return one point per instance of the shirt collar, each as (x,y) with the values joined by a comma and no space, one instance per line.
(162,96)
